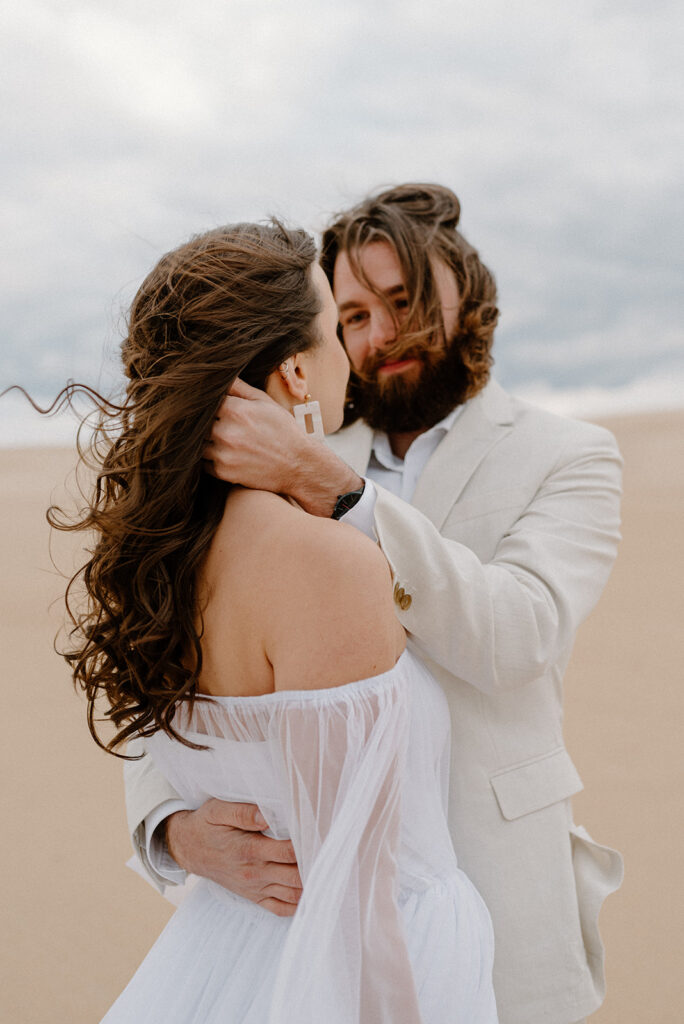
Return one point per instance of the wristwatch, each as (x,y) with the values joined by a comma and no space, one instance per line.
(346,501)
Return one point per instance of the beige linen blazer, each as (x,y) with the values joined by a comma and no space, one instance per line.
(504,551)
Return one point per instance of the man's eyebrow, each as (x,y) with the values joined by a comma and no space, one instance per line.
(388,293)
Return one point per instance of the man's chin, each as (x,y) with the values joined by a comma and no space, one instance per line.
(394,413)
(413,398)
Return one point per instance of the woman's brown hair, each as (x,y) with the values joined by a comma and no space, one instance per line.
(236,301)
(420,222)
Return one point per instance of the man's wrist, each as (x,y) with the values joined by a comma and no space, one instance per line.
(319,477)
(347,501)
(362,515)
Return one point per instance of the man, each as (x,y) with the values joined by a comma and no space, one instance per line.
(500,525)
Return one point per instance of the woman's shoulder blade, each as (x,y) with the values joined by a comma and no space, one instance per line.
(287,531)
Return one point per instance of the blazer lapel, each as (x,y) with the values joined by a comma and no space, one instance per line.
(485,419)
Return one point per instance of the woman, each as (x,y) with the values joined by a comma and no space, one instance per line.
(257,649)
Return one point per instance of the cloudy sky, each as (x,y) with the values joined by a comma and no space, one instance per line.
(128,126)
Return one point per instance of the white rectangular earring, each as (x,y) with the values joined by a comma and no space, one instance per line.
(308,416)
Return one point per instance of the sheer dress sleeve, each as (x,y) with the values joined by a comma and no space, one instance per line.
(341,755)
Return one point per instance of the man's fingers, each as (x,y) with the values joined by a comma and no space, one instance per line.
(281,892)
(247,817)
(228,405)
(260,849)
(281,851)
(284,875)
(277,907)
(241,390)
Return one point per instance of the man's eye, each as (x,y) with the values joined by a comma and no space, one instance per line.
(353,320)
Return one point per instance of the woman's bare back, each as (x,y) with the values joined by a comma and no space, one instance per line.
(292,601)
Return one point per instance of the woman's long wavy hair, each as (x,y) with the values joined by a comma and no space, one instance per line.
(420,222)
(236,301)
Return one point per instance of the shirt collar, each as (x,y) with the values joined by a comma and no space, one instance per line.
(382,450)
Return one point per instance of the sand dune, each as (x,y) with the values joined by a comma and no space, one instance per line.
(77,922)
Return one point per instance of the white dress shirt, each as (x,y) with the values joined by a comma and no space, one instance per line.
(399,476)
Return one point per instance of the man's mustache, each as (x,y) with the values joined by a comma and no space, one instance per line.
(372,363)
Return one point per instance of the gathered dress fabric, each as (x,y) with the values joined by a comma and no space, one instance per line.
(388,929)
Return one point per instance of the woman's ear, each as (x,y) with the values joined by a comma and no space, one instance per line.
(289,382)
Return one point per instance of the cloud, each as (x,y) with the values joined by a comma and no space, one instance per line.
(657,392)
(128,127)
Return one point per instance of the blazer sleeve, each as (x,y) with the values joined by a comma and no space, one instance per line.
(146,790)
(502,624)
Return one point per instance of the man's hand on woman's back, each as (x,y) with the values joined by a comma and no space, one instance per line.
(224,842)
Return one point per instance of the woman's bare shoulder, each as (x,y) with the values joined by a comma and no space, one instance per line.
(250,525)
(337,623)
(318,592)
(268,507)
(279,529)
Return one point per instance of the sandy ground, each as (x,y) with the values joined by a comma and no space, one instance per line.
(76,922)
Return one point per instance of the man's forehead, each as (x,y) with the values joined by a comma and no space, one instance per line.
(380,264)
(377,261)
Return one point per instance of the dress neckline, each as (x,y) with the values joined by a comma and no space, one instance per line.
(321,694)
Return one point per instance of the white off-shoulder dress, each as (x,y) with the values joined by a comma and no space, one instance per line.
(388,930)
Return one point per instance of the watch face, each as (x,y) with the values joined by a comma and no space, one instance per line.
(345,502)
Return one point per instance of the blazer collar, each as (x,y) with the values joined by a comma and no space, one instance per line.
(484,420)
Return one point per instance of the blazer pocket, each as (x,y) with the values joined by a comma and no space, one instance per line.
(534,784)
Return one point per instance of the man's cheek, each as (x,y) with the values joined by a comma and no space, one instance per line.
(356,354)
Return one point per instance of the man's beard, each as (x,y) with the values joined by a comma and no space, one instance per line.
(403,403)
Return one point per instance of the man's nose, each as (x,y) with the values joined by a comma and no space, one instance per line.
(383,329)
